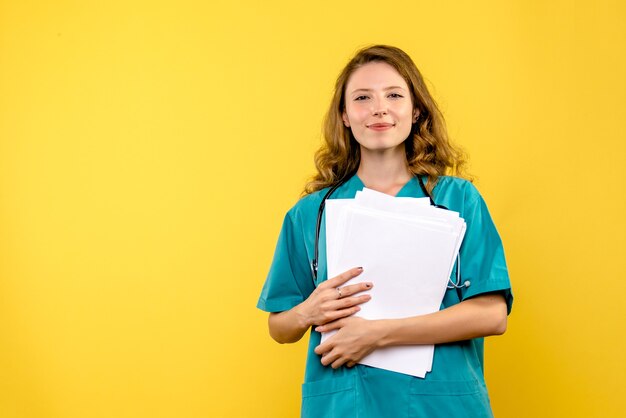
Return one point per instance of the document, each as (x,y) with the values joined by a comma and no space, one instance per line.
(407,249)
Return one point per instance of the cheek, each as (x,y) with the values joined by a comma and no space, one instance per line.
(406,113)
(356,113)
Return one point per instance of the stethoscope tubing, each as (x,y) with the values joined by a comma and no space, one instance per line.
(318,227)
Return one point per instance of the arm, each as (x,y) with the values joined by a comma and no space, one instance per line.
(480,316)
(324,305)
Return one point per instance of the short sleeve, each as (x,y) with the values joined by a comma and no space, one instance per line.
(482,254)
(289,281)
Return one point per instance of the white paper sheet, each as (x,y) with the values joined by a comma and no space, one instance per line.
(407,249)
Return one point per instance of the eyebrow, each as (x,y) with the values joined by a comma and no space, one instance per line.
(386,88)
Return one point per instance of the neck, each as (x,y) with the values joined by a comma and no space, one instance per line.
(386,172)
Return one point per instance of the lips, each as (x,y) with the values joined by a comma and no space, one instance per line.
(380,126)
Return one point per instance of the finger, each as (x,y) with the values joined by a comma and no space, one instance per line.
(348,302)
(330,358)
(350,364)
(338,314)
(355,288)
(330,326)
(338,363)
(343,277)
(339,308)
(323,348)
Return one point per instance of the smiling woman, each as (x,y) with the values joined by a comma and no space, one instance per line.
(384,131)
(426,145)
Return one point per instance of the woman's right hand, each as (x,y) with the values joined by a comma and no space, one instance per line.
(331,301)
(328,302)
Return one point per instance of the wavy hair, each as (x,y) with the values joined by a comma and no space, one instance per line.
(428,150)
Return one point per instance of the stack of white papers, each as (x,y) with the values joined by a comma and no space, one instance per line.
(407,249)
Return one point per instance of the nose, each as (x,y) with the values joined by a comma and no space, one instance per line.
(379,108)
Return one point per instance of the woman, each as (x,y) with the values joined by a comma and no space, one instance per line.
(384,131)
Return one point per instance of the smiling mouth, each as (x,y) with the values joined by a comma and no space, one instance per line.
(381,126)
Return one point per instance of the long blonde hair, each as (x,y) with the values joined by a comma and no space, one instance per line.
(429,153)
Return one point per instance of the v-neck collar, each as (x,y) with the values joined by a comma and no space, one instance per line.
(410,189)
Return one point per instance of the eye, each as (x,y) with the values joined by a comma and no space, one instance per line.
(360,98)
(395,95)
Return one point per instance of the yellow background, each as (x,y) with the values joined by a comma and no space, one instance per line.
(149,150)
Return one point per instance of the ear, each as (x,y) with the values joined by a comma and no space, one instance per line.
(344,117)
(416,114)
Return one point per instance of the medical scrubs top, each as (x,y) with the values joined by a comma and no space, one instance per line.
(455,387)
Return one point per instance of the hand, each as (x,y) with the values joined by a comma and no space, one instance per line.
(329,301)
(355,338)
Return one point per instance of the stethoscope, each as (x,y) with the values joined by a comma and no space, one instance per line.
(451,284)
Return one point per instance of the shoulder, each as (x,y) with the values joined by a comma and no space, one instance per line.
(457,190)
(307,205)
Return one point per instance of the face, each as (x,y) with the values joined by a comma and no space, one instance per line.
(378,108)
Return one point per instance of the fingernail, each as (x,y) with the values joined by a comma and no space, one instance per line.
(368,285)
(360,268)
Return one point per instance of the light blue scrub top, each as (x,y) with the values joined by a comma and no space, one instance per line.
(456,385)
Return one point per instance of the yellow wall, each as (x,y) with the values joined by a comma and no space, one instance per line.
(149,149)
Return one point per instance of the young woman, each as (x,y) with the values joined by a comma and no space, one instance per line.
(384,131)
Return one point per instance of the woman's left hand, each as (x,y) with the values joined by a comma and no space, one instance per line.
(355,338)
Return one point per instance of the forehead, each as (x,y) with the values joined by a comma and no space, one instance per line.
(373,76)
